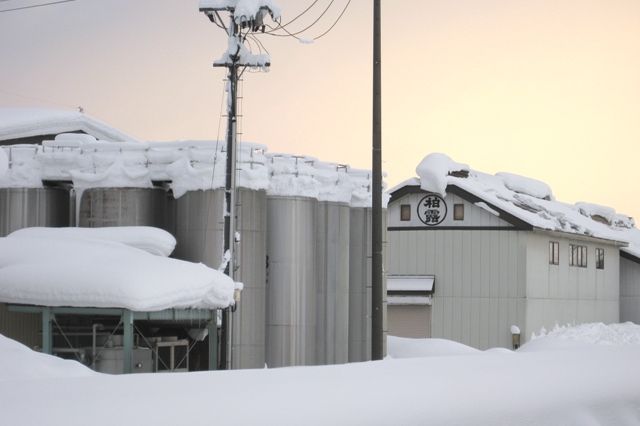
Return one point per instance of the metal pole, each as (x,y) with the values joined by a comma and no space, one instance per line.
(127,340)
(230,188)
(47,331)
(377,337)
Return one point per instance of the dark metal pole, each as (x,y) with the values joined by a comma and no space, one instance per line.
(377,337)
(229,214)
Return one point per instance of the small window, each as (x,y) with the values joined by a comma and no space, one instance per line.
(599,258)
(405,212)
(458,212)
(554,253)
(577,255)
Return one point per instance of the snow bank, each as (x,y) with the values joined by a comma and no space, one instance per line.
(585,334)
(401,347)
(600,386)
(103,274)
(19,363)
(434,170)
(152,240)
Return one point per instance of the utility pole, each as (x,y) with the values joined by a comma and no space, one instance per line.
(377,336)
(236,60)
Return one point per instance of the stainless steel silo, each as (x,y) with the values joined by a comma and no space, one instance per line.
(101,207)
(23,208)
(332,249)
(360,284)
(199,227)
(248,321)
(291,281)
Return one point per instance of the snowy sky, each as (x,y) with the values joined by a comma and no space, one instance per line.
(547,89)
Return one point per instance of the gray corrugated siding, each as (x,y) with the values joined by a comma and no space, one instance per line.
(629,291)
(563,294)
(480,280)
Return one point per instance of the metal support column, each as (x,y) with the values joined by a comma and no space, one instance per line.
(127,325)
(47,331)
(212,328)
(377,336)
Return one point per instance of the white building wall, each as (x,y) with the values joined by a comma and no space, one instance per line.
(479,280)
(629,291)
(563,294)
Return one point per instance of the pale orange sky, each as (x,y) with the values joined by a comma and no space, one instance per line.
(547,88)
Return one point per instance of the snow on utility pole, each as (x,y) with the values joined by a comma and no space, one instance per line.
(245,17)
(377,336)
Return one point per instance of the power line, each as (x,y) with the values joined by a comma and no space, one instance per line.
(289,34)
(296,18)
(336,22)
(36,5)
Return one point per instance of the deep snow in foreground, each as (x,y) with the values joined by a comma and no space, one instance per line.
(587,385)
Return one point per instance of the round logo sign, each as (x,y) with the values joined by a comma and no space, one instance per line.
(432,210)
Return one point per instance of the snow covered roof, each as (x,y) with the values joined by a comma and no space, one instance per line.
(186,165)
(65,270)
(528,200)
(16,123)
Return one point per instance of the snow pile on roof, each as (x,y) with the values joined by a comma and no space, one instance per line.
(527,186)
(401,347)
(598,386)
(152,240)
(21,363)
(23,168)
(185,165)
(527,199)
(18,123)
(104,274)
(434,170)
(585,334)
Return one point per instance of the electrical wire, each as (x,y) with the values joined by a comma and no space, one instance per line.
(290,34)
(36,5)
(335,23)
(297,17)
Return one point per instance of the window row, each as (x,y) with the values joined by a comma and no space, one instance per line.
(577,255)
(405,212)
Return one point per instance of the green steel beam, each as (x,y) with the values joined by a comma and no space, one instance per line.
(127,338)
(166,315)
(47,331)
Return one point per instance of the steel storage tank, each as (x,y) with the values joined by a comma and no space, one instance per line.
(291,282)
(199,231)
(332,242)
(248,321)
(102,207)
(23,208)
(360,284)
(199,227)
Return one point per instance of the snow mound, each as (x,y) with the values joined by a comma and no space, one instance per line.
(21,363)
(434,170)
(105,274)
(152,240)
(403,347)
(585,334)
(526,185)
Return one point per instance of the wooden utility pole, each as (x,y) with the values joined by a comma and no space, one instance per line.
(377,336)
